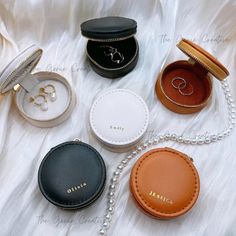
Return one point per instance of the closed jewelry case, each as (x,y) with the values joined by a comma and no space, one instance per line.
(186,86)
(165,183)
(72,175)
(112,49)
(119,118)
(33,98)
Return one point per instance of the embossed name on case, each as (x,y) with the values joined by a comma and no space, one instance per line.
(160,197)
(117,127)
(76,188)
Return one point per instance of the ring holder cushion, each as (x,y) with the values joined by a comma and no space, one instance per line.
(72,175)
(165,183)
(114,32)
(18,71)
(119,119)
(196,73)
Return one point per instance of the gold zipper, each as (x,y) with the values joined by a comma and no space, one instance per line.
(111,40)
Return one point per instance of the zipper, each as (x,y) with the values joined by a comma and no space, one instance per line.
(111,40)
(199,61)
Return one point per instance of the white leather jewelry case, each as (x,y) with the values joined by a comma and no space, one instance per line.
(18,72)
(119,119)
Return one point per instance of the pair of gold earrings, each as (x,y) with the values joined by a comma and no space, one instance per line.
(41,100)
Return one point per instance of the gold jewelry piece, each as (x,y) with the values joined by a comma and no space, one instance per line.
(111,52)
(180,84)
(50,90)
(40,101)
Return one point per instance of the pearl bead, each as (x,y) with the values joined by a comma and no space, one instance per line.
(134,153)
(207,140)
(193,141)
(155,140)
(200,142)
(108,216)
(102,232)
(112,186)
(129,157)
(144,145)
(111,202)
(149,143)
(111,194)
(114,179)
(186,140)
(105,224)
(116,173)
(124,162)
(120,167)
(110,209)
(213,138)
(180,139)
(139,149)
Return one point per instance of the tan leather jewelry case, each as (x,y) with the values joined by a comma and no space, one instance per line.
(165,183)
(186,86)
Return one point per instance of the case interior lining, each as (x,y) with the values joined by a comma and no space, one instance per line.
(127,48)
(197,81)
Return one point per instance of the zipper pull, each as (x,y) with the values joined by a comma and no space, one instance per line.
(77,140)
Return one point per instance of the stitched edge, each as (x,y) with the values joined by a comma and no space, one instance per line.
(72,203)
(125,141)
(153,208)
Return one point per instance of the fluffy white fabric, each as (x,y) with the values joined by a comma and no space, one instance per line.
(55,26)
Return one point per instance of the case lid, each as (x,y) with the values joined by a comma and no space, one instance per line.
(72,175)
(119,118)
(165,183)
(22,65)
(204,58)
(109,28)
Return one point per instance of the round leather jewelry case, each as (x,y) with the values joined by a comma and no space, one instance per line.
(186,86)
(112,49)
(119,119)
(165,183)
(44,99)
(72,175)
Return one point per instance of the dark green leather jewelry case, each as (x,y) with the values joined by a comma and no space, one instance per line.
(112,49)
(72,175)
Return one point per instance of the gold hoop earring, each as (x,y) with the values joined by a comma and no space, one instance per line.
(40,101)
(180,84)
(50,91)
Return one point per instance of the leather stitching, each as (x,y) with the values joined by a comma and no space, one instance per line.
(99,188)
(153,208)
(133,139)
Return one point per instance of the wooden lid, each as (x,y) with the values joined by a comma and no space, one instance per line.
(204,58)
(165,183)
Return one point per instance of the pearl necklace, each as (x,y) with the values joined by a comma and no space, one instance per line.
(197,140)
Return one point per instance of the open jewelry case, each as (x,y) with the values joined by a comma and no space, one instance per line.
(112,49)
(45,99)
(186,86)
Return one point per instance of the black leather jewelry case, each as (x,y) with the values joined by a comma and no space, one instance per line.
(72,175)
(112,49)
